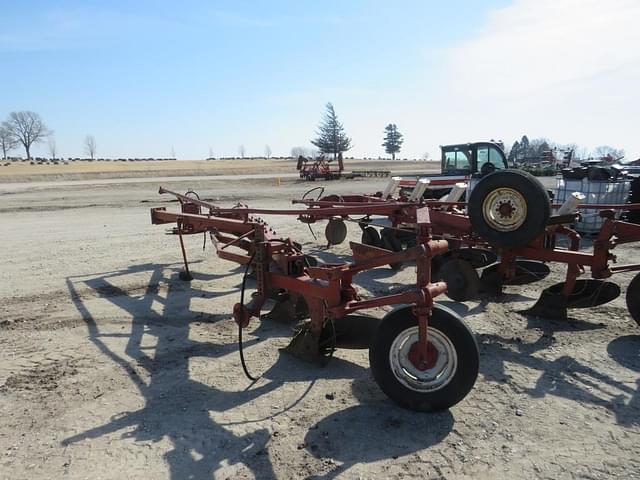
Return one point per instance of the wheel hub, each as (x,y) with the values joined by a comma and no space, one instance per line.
(428,362)
(505,209)
(425,375)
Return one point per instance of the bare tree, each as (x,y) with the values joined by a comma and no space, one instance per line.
(426,156)
(241,151)
(305,152)
(52,147)
(605,151)
(7,141)
(27,128)
(90,146)
(267,151)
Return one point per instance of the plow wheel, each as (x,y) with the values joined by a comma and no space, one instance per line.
(633,298)
(509,208)
(335,231)
(463,282)
(451,370)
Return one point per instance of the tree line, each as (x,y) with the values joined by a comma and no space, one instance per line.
(332,139)
(541,149)
(27,129)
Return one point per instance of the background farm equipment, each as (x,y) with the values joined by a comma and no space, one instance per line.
(422,355)
(459,163)
(507,230)
(322,169)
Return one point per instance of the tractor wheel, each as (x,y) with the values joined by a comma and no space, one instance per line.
(370,236)
(463,281)
(633,298)
(509,208)
(453,360)
(335,231)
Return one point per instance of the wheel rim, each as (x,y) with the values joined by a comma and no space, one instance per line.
(441,371)
(505,209)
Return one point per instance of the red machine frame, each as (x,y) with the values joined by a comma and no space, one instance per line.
(328,289)
(448,221)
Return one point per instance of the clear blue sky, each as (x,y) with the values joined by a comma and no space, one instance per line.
(146,76)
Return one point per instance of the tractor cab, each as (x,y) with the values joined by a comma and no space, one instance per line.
(469,158)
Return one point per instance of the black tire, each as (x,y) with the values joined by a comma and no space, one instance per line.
(497,229)
(633,298)
(370,236)
(449,331)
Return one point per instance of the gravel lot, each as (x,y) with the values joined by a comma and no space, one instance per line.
(112,367)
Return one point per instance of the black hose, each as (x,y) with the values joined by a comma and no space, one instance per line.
(242,361)
(312,190)
(312,232)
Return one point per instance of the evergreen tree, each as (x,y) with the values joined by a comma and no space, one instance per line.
(541,146)
(514,153)
(392,140)
(331,136)
(524,148)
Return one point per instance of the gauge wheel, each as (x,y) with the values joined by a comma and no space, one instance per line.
(452,364)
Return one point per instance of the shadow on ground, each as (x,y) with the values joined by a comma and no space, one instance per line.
(564,376)
(179,408)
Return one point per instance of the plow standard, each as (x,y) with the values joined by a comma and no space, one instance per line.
(422,355)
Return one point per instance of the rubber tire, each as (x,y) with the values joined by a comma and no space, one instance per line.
(538,208)
(633,298)
(464,343)
(371,237)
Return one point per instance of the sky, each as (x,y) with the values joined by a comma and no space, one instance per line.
(148,78)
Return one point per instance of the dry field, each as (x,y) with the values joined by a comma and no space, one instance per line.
(24,172)
(111,367)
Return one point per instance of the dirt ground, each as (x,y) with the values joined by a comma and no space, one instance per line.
(112,367)
(78,170)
